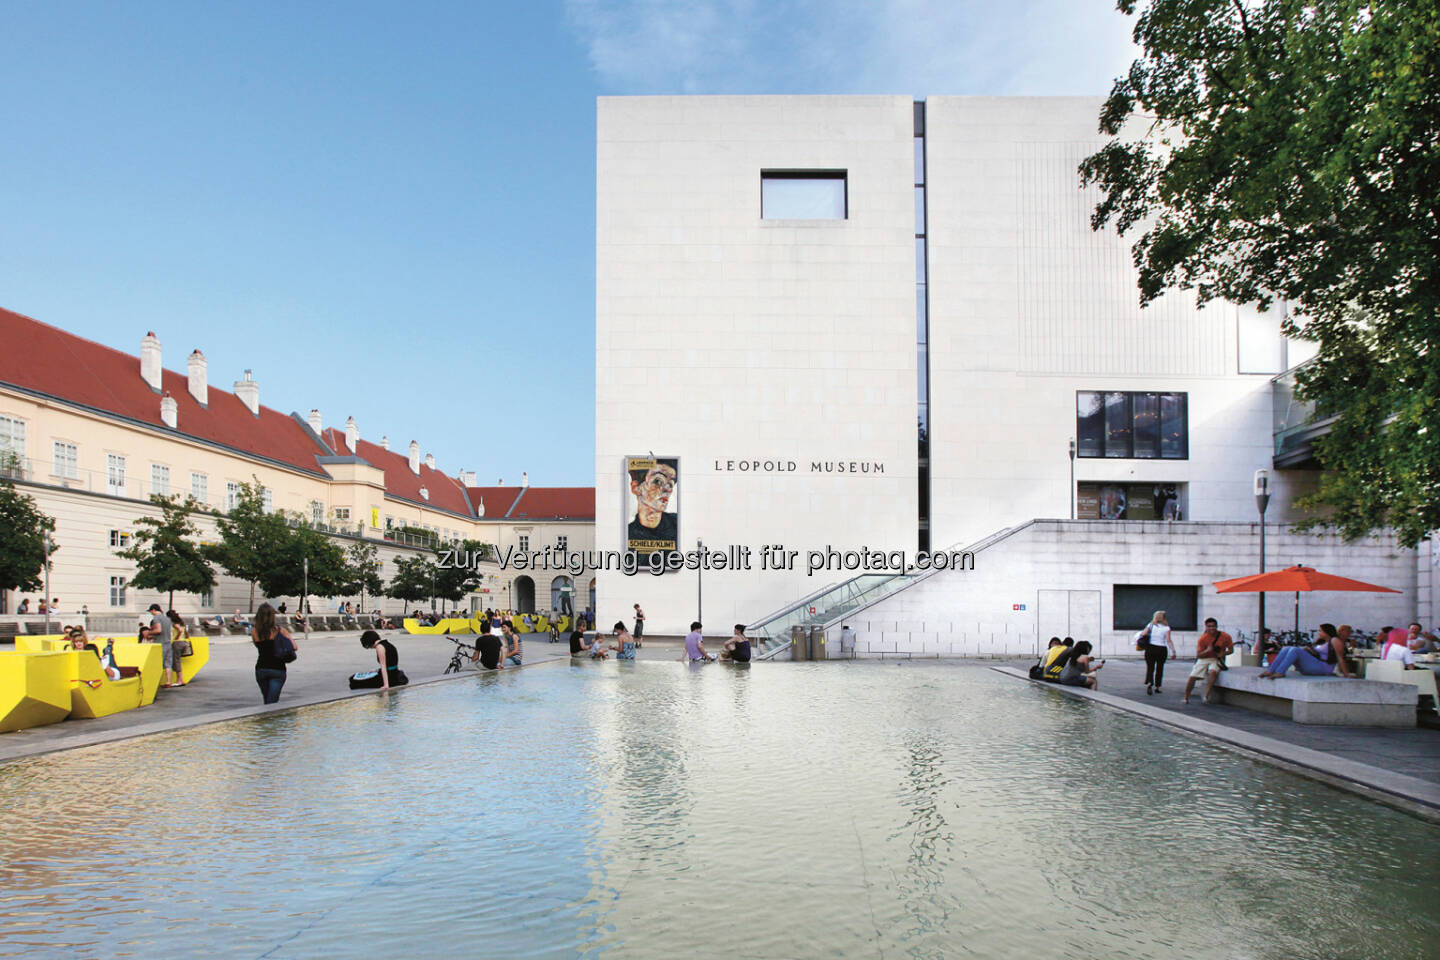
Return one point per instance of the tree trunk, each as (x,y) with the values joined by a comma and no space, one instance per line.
(252,597)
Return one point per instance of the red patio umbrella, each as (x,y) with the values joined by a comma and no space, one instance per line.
(1296,578)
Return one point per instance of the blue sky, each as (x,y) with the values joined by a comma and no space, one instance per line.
(386,210)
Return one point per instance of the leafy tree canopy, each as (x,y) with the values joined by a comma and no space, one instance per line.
(23,528)
(163,548)
(287,576)
(362,571)
(414,578)
(1294,153)
(250,538)
(454,580)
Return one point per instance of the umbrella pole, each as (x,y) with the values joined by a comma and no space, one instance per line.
(1297,613)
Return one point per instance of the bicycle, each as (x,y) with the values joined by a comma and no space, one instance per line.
(461,653)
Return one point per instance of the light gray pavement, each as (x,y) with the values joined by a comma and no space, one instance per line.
(1381,762)
(225,689)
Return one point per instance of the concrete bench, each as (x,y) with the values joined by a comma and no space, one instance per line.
(1335,701)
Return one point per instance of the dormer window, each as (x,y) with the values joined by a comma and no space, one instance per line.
(424,493)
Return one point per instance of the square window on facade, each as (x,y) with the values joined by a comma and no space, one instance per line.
(342,513)
(67,460)
(562,542)
(803,195)
(524,542)
(119,539)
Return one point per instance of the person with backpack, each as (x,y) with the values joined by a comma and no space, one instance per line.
(274,648)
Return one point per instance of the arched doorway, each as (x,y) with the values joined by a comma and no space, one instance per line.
(562,591)
(523,592)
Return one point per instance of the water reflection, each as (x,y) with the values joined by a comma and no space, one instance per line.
(652,810)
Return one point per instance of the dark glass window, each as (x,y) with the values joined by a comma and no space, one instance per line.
(919,210)
(1121,425)
(1147,424)
(1135,604)
(1118,427)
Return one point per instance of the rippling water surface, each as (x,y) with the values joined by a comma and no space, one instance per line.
(657,810)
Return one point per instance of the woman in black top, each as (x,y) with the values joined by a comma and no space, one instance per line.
(387,659)
(269,668)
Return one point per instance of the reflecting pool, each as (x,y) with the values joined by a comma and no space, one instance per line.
(658,810)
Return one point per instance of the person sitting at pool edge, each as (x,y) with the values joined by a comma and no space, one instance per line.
(695,645)
(387,661)
(1326,657)
(512,643)
(625,644)
(1213,646)
(487,652)
(737,648)
(1080,668)
(1056,657)
(579,646)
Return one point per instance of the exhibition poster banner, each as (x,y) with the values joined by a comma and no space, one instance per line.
(652,504)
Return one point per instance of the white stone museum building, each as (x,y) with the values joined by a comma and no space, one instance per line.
(874,322)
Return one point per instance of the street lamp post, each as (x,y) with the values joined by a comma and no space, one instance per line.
(1072,478)
(47,544)
(304,593)
(1262,500)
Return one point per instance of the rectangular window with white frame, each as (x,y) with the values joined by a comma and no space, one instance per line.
(66,460)
(562,542)
(804,195)
(12,437)
(342,513)
(232,495)
(119,539)
(267,499)
(524,542)
(317,512)
(117,591)
(159,480)
(200,487)
(115,474)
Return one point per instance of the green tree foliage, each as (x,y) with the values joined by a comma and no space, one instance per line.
(362,572)
(165,553)
(23,529)
(249,538)
(286,574)
(1294,153)
(414,579)
(454,580)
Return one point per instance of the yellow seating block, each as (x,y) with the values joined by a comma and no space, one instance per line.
(92,693)
(148,657)
(564,625)
(191,665)
(32,643)
(414,626)
(34,689)
(474,624)
(518,622)
(542,625)
(456,625)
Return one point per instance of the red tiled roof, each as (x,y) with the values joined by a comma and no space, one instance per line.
(497,500)
(446,492)
(46,360)
(535,503)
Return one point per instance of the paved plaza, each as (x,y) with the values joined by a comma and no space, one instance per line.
(225,689)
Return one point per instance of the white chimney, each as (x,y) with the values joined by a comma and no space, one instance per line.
(525,479)
(169,411)
(150,360)
(199,379)
(415,458)
(249,393)
(315,421)
(500,482)
(385,442)
(352,434)
(430,460)
(467,478)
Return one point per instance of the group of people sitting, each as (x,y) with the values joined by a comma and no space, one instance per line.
(496,644)
(77,639)
(1069,663)
(736,649)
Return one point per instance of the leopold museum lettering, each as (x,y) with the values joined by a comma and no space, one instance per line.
(790,466)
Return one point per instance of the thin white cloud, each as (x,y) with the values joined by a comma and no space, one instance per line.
(920,47)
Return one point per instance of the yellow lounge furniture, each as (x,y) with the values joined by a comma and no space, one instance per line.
(93,694)
(33,643)
(415,626)
(456,625)
(518,622)
(34,689)
(147,658)
(542,625)
(564,626)
(199,656)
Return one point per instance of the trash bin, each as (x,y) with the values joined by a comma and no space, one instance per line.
(799,640)
(817,643)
